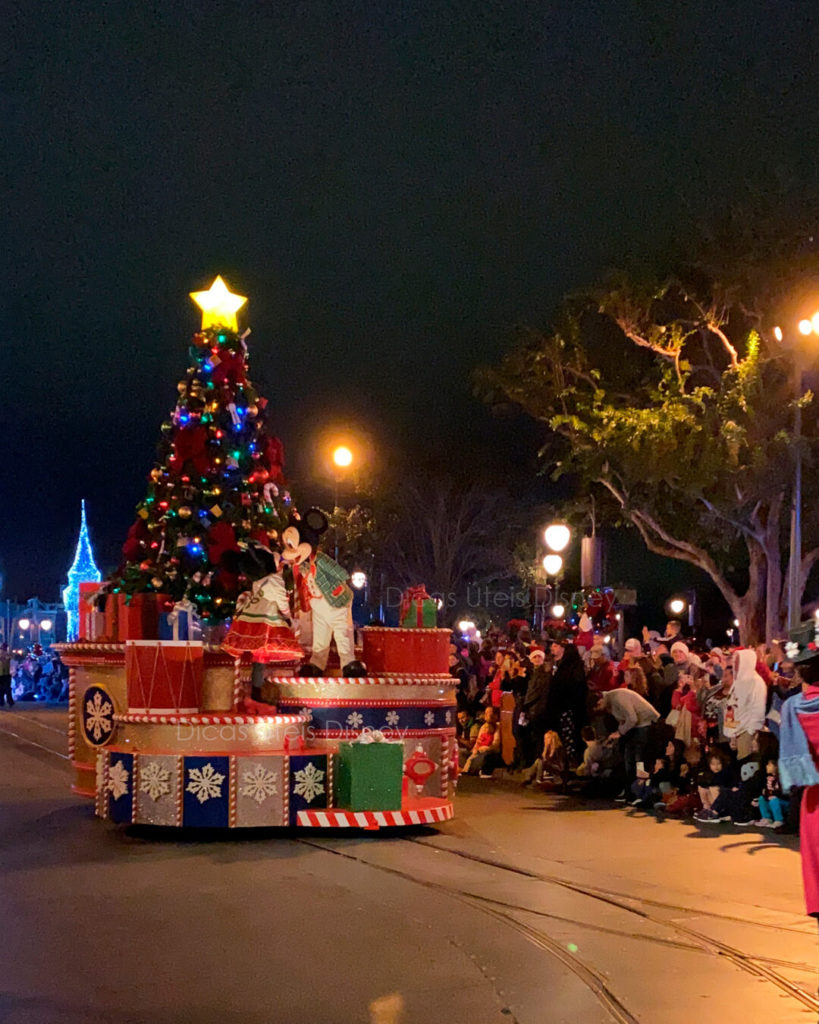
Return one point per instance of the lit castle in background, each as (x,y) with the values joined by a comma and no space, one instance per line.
(83,570)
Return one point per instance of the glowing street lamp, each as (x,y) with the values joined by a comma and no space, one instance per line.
(46,625)
(359,579)
(24,624)
(342,456)
(676,606)
(557,536)
(553,564)
(466,625)
(558,611)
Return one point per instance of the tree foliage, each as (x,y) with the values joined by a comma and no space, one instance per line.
(672,395)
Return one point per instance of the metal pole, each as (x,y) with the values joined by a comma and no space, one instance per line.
(335,513)
(795,565)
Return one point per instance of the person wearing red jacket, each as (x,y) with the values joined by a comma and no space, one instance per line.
(602,674)
(684,698)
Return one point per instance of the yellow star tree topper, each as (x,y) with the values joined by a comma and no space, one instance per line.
(219,305)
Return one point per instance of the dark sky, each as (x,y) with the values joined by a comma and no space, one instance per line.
(394,185)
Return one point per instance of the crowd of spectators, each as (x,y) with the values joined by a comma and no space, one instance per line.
(663,725)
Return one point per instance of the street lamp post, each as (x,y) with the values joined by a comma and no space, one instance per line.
(557,537)
(806,327)
(342,459)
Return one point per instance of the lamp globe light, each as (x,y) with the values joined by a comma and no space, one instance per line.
(553,564)
(557,536)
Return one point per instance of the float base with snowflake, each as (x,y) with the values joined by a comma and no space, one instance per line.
(158,737)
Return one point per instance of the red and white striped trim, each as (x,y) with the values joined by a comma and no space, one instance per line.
(104,647)
(406,679)
(323,702)
(334,818)
(390,734)
(72,712)
(227,719)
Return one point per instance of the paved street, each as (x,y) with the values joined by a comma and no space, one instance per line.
(527,908)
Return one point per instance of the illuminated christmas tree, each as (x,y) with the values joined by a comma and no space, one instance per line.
(83,570)
(218,481)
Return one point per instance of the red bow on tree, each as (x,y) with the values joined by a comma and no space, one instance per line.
(189,446)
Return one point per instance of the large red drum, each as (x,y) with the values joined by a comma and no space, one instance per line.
(164,675)
(389,651)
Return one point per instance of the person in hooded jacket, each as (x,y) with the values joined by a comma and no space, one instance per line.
(745,712)
(566,710)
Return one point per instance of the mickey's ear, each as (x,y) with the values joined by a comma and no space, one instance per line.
(316,520)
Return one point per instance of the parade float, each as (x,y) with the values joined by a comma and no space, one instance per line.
(202,692)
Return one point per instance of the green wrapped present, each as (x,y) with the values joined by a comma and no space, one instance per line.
(368,776)
(418,610)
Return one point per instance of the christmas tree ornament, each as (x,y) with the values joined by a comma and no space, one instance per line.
(219,305)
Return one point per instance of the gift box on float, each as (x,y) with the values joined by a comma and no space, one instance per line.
(138,616)
(368,776)
(87,625)
(418,610)
(103,617)
(400,651)
(180,623)
(164,676)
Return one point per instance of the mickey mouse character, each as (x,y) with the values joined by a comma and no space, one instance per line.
(322,585)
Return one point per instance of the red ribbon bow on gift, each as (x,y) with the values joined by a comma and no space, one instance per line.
(412,595)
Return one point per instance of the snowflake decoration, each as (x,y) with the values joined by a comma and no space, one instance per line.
(429,718)
(448,717)
(355,720)
(392,718)
(205,783)
(118,780)
(259,784)
(154,780)
(309,782)
(98,714)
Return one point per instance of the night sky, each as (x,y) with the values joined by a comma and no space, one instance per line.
(394,185)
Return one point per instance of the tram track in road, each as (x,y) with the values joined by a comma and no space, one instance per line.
(591,978)
(761,968)
(6,730)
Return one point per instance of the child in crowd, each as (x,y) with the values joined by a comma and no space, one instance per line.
(466,730)
(485,756)
(686,798)
(710,785)
(595,756)
(648,787)
(773,806)
(551,765)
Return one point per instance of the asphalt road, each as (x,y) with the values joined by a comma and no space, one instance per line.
(527,908)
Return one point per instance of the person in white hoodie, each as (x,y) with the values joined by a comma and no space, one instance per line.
(745,712)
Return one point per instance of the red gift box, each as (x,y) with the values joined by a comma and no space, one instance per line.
(389,651)
(87,609)
(164,675)
(110,610)
(138,616)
